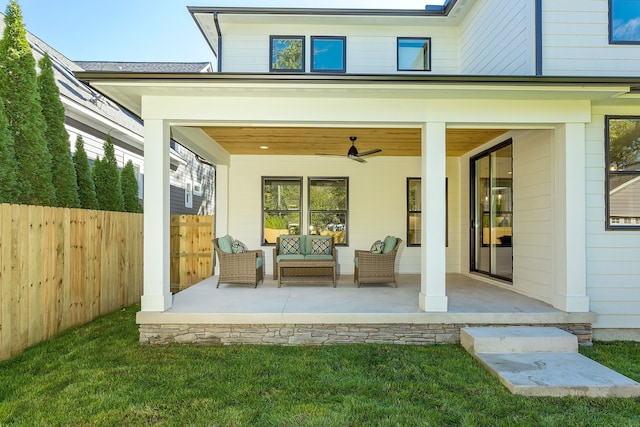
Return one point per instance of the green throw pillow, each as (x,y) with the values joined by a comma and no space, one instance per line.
(224,243)
(389,244)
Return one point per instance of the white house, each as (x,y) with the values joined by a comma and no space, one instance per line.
(500,123)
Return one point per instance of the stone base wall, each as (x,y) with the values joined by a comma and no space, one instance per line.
(312,334)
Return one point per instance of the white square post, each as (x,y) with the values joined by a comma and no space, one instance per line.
(157,291)
(433,234)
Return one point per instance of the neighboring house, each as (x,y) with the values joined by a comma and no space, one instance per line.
(91,115)
(495,119)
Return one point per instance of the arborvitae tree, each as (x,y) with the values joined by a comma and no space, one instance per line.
(63,174)
(86,187)
(8,165)
(107,180)
(19,89)
(130,189)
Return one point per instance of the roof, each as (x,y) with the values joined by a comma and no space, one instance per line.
(146,67)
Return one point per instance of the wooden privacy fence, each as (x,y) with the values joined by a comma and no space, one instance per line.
(61,268)
(191,250)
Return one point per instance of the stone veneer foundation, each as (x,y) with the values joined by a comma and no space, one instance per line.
(323,334)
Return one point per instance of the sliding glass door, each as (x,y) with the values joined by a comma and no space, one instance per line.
(492,212)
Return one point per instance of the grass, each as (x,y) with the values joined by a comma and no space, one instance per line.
(99,374)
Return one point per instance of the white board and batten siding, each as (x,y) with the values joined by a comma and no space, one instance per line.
(369,49)
(576,41)
(497,37)
(613,256)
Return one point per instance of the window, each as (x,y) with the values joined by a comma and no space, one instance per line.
(622,139)
(188,194)
(414,54)
(287,53)
(414,211)
(281,212)
(329,208)
(624,21)
(328,54)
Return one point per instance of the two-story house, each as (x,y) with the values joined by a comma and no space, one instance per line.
(508,133)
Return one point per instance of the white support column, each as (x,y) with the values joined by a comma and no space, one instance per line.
(569,219)
(222,204)
(433,295)
(157,293)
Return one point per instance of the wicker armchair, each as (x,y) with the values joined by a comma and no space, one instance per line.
(376,268)
(247,267)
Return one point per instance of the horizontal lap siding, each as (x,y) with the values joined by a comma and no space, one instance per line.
(532,219)
(613,257)
(497,38)
(576,41)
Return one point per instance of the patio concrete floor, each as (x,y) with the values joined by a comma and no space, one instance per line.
(470,301)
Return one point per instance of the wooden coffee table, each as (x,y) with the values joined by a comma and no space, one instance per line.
(306,271)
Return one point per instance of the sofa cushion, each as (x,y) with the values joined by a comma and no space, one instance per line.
(318,257)
(377,247)
(224,243)
(320,246)
(283,257)
(237,247)
(258,262)
(389,244)
(290,245)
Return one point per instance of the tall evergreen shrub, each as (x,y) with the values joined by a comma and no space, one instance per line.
(107,180)
(86,187)
(63,173)
(8,165)
(130,189)
(19,90)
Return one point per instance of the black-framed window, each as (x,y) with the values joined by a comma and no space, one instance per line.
(328,54)
(414,211)
(286,53)
(329,207)
(622,191)
(281,207)
(624,21)
(414,54)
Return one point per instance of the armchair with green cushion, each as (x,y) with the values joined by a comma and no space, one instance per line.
(237,263)
(377,265)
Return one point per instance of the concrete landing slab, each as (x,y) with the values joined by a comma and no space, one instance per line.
(517,339)
(557,375)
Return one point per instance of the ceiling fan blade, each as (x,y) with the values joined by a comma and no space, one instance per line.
(374,151)
(357,159)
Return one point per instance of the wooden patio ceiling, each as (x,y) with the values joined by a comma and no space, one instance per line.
(323,140)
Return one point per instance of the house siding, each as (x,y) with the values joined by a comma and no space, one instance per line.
(613,266)
(576,41)
(498,38)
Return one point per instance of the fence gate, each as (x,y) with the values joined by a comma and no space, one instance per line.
(191,250)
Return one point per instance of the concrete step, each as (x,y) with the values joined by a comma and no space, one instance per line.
(517,339)
(543,361)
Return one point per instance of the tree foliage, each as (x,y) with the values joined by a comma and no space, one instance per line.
(288,55)
(107,180)
(130,189)
(86,187)
(19,89)
(624,143)
(8,165)
(62,171)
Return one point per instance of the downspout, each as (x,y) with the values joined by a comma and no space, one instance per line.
(215,19)
(538,30)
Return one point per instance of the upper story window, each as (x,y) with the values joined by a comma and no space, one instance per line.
(623,175)
(624,21)
(329,54)
(287,53)
(414,54)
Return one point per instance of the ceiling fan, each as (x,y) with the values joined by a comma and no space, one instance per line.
(353,151)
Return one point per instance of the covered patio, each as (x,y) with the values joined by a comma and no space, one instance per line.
(317,314)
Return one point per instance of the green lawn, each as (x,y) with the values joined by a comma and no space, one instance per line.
(99,374)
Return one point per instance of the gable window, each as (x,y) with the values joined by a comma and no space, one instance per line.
(622,195)
(414,211)
(281,207)
(624,21)
(414,54)
(329,208)
(328,54)
(287,53)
